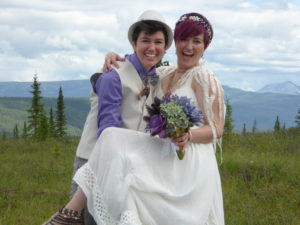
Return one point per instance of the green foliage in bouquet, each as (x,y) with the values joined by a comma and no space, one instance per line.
(171,117)
(178,122)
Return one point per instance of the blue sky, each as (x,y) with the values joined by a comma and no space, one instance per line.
(256,42)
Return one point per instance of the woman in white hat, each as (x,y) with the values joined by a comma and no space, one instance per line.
(119,98)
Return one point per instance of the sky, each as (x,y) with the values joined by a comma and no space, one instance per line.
(256,42)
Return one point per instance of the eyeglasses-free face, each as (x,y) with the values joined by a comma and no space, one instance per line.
(150,48)
(189,51)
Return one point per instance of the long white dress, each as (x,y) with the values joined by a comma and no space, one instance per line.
(128,182)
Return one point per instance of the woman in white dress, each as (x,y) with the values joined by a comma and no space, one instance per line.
(127,181)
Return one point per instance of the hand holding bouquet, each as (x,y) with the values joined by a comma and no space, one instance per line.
(172,116)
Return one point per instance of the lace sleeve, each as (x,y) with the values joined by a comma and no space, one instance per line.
(164,71)
(210,97)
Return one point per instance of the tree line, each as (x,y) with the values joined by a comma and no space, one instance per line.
(229,127)
(39,125)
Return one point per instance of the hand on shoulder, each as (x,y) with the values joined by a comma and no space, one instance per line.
(111,59)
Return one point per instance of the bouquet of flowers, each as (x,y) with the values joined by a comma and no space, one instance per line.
(172,116)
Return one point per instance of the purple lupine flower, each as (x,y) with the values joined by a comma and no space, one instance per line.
(192,112)
(166,99)
(171,116)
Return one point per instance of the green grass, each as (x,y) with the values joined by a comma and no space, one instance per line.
(260,179)
(35,179)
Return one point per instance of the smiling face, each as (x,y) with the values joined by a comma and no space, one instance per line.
(150,48)
(189,51)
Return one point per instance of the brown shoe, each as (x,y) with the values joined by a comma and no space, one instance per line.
(66,217)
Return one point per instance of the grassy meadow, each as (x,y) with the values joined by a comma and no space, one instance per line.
(260,178)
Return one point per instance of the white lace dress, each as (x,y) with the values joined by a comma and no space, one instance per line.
(128,182)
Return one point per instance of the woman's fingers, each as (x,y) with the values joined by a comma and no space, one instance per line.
(182,140)
(111,59)
(183,137)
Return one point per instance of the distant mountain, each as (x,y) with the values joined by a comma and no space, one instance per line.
(262,107)
(82,88)
(247,106)
(287,87)
(71,88)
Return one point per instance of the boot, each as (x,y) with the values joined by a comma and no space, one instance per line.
(66,217)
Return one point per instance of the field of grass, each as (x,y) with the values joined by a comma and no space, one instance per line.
(35,179)
(260,177)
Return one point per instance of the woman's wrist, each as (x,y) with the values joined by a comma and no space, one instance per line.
(190,136)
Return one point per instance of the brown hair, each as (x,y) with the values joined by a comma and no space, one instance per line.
(150,27)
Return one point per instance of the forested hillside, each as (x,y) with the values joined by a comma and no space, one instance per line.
(13,111)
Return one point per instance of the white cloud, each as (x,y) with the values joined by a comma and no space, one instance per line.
(53,66)
(68,39)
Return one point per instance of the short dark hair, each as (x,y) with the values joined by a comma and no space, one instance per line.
(149,27)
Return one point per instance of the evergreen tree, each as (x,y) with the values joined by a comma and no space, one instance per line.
(16,132)
(42,131)
(244,129)
(254,127)
(3,136)
(283,127)
(297,121)
(277,124)
(228,127)
(60,115)
(36,108)
(25,131)
(51,131)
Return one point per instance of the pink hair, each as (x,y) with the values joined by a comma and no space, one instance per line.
(190,28)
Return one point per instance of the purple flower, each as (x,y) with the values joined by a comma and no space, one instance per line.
(166,99)
(157,125)
(192,112)
(162,133)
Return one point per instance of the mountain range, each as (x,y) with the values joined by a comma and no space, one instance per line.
(287,87)
(49,89)
(81,88)
(15,99)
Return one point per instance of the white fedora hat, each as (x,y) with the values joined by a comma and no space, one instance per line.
(155,16)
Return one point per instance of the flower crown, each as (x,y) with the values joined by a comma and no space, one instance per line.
(201,20)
